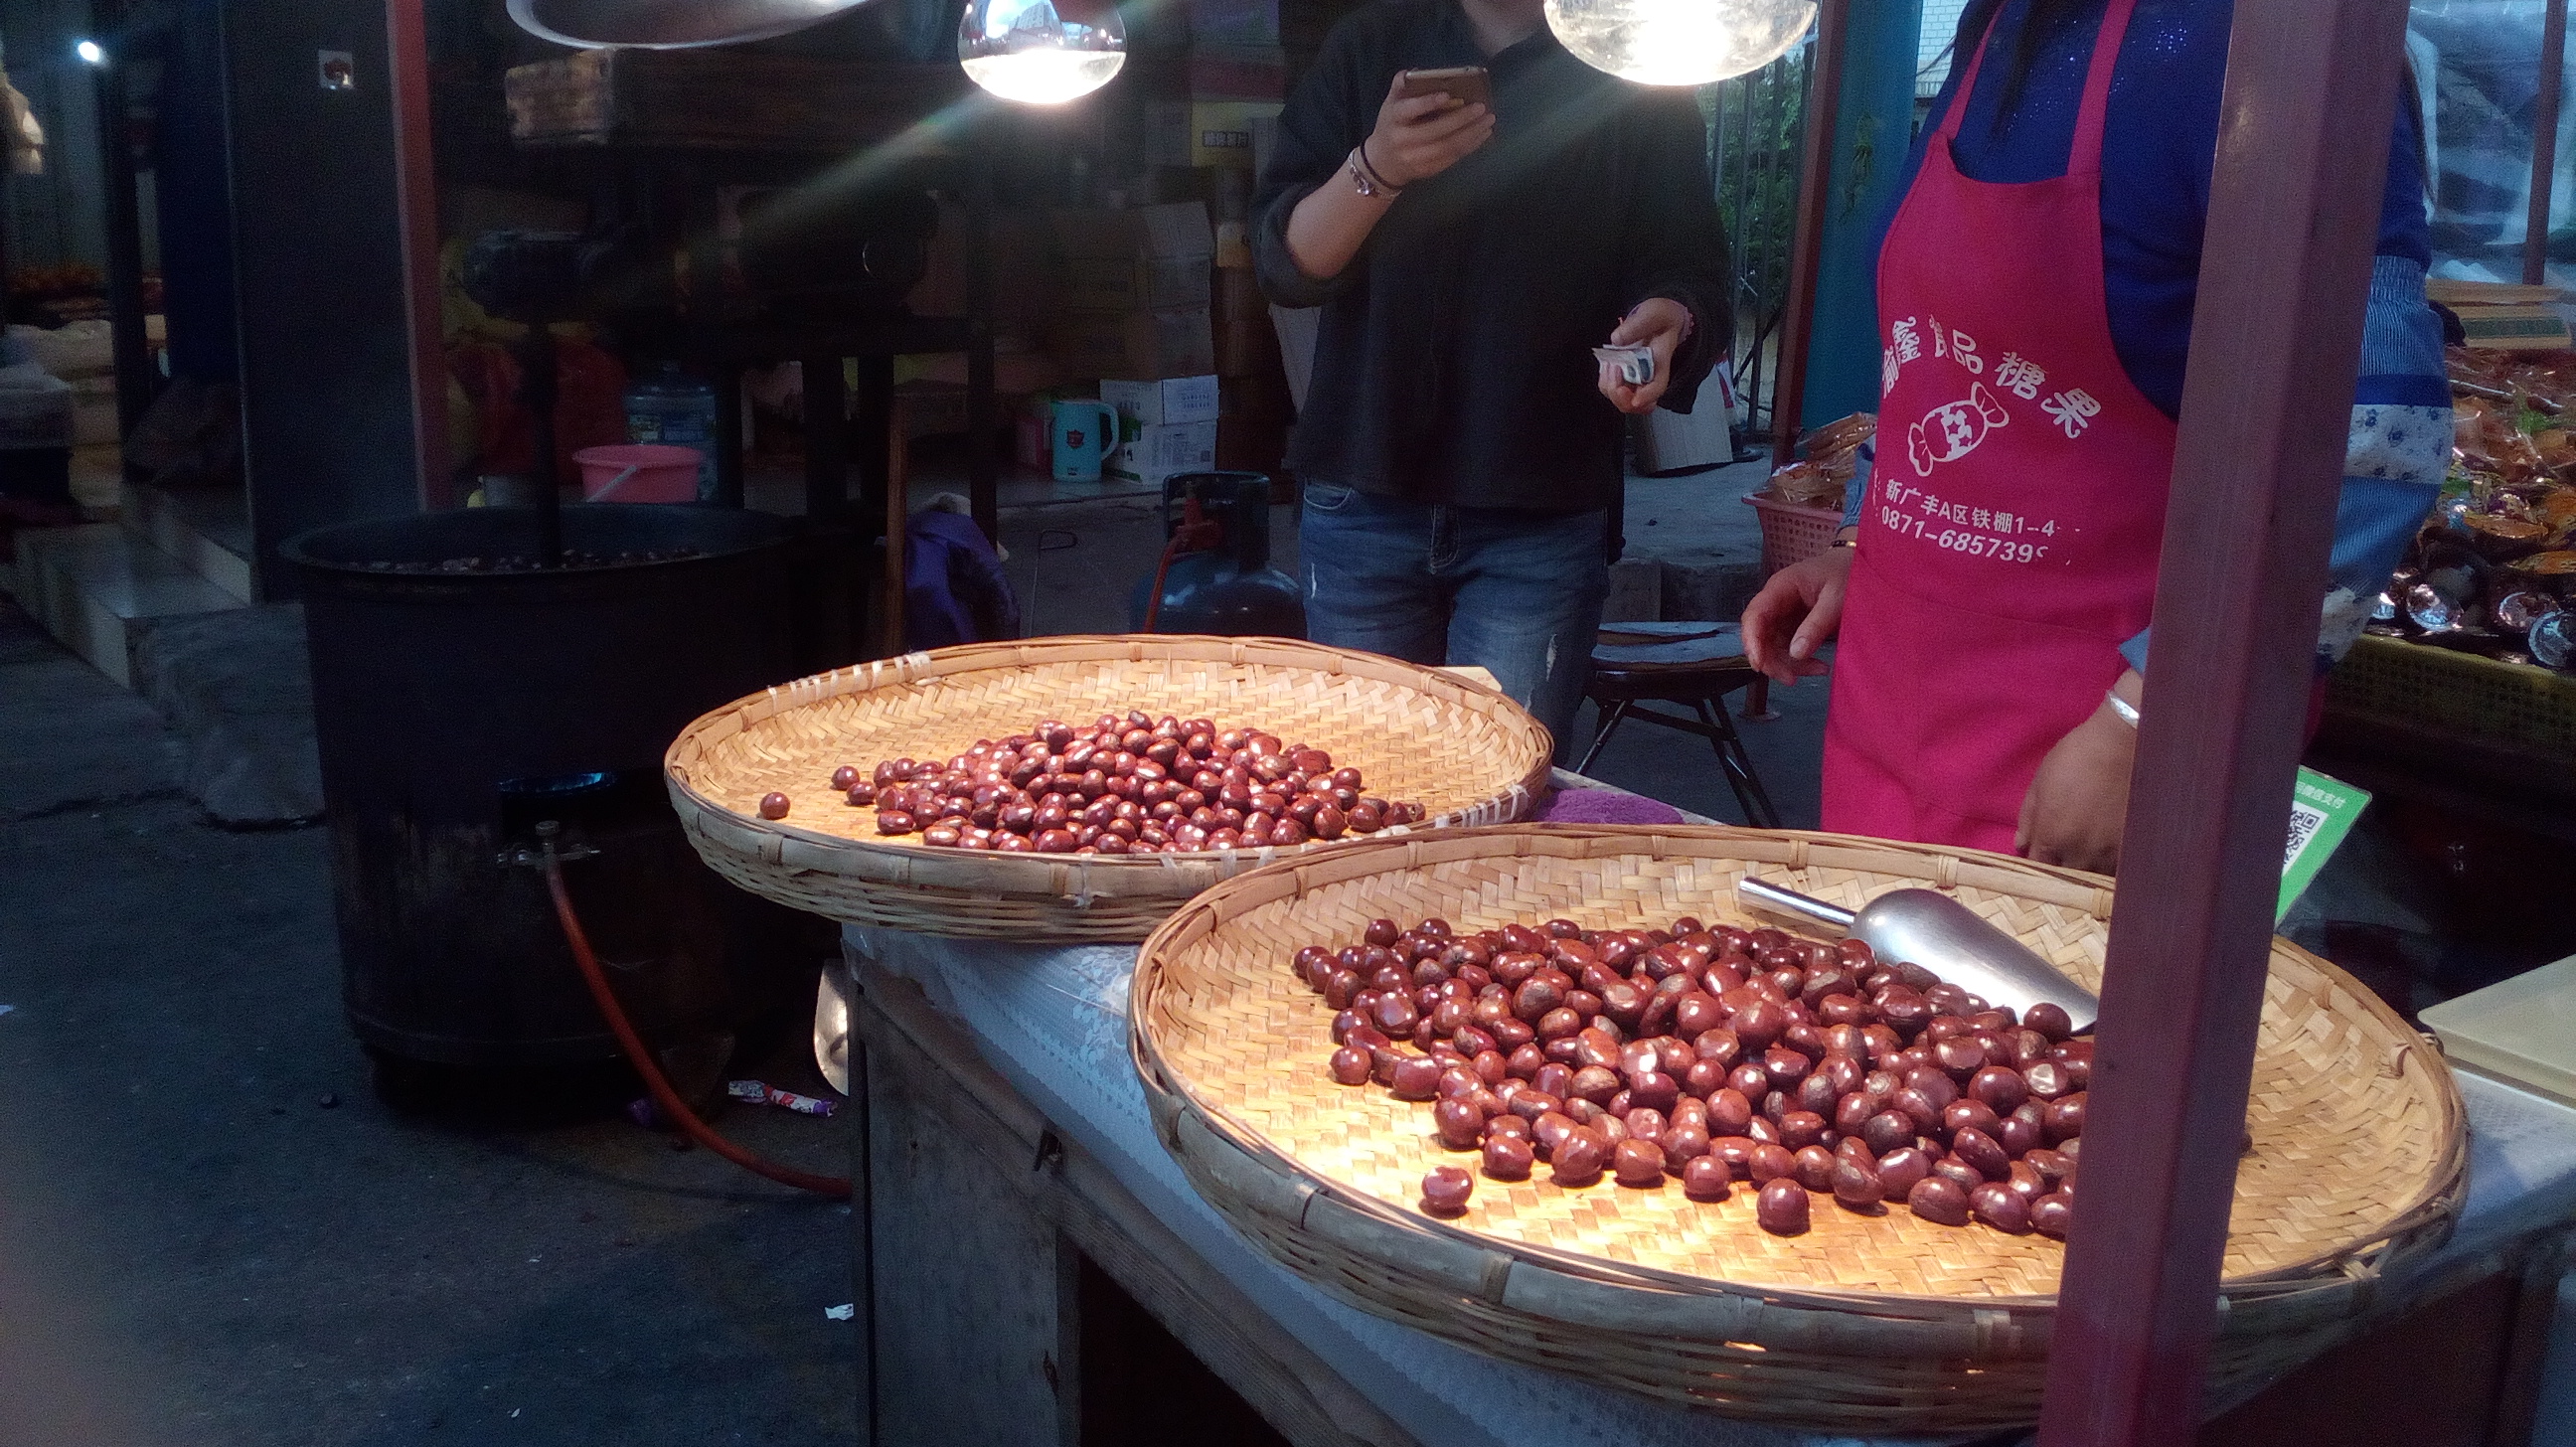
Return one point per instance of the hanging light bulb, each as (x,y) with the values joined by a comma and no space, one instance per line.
(1027,51)
(1679,42)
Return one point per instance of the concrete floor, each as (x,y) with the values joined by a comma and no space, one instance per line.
(211,1232)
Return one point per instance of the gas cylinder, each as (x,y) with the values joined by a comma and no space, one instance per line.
(1226,586)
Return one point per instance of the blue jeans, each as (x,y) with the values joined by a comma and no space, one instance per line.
(1516,593)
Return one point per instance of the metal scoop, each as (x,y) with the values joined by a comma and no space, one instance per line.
(1944,936)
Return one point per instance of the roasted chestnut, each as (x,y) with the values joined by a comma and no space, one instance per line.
(1781,1208)
(1446,1189)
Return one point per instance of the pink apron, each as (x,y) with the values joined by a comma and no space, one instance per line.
(2008,543)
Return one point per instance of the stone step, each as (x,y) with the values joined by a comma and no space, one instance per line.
(98,586)
(206,529)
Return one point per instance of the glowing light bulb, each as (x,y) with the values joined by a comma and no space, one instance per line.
(1679,42)
(89,50)
(1025,51)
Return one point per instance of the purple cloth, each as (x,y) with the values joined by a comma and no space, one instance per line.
(954,590)
(1604,806)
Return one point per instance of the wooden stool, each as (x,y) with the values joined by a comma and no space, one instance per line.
(1693,663)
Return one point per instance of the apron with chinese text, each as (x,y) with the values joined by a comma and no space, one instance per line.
(2008,544)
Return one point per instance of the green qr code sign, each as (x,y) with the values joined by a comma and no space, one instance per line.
(2322,811)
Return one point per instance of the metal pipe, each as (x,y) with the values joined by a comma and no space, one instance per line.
(1738,163)
(537,392)
(2544,141)
(1815,183)
(133,348)
(2293,216)
(416,202)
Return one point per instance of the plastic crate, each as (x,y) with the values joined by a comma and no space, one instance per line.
(2511,718)
(1792,532)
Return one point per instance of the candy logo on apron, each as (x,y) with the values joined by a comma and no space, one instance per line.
(1950,432)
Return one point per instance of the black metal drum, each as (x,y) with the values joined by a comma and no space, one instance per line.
(457,707)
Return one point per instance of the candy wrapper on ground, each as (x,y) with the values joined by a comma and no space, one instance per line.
(759,1093)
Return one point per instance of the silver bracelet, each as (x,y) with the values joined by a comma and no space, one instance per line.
(1364,177)
(2127,711)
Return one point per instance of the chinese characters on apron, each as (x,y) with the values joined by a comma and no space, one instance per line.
(2008,544)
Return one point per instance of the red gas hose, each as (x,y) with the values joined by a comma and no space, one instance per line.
(1196,534)
(664,1097)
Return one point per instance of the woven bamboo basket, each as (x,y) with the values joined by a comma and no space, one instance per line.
(1868,1324)
(1463,751)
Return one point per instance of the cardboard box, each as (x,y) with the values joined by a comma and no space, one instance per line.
(1153,258)
(723,98)
(1234,22)
(1164,403)
(1140,345)
(1145,283)
(1151,454)
(1254,71)
(1668,442)
(1024,269)
(1208,132)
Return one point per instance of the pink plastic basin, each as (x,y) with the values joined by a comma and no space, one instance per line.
(661,473)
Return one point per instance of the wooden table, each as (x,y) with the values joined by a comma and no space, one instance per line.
(1022,1294)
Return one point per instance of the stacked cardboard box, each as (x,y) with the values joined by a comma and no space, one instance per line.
(1135,292)
(1234,23)
(1206,111)
(1165,426)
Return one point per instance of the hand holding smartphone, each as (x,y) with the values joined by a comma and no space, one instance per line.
(1471,84)
(1430,120)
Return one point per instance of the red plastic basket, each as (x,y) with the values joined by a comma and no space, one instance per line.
(1792,532)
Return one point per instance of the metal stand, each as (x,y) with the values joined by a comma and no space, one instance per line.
(1618,694)
(537,393)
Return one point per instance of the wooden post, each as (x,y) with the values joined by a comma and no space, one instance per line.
(827,437)
(2544,140)
(2286,260)
(983,471)
(896,509)
(1815,184)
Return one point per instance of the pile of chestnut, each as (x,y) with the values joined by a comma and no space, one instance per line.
(1713,1055)
(1132,785)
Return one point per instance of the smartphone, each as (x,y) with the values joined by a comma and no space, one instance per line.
(1469,83)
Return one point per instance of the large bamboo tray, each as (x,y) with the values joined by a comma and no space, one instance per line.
(1463,751)
(1875,1325)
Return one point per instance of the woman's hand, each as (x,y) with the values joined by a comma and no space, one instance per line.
(2079,801)
(1795,614)
(1417,138)
(1658,324)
